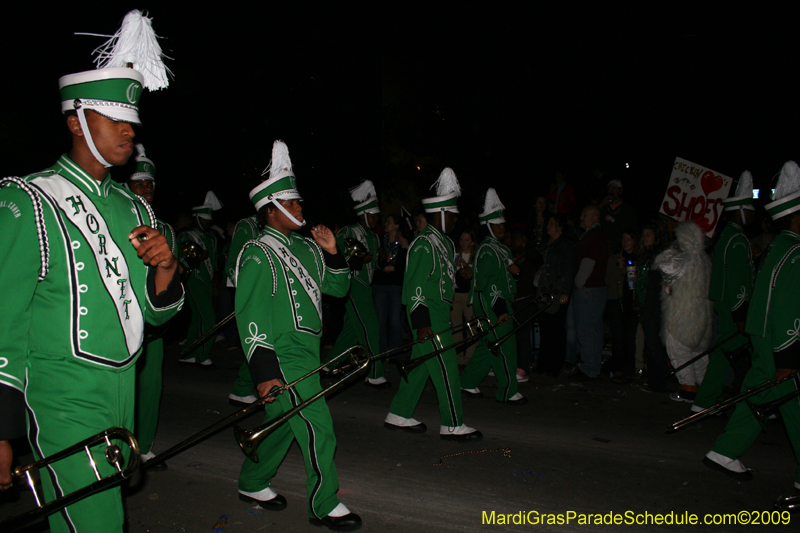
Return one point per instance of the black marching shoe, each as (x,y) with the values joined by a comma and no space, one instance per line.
(348,522)
(278,503)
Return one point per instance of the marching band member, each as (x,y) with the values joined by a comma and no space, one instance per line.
(361,319)
(428,295)
(85,271)
(280,279)
(773,326)
(731,288)
(493,290)
(200,280)
(148,369)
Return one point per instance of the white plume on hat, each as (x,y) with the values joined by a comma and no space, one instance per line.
(212,201)
(363,191)
(135,42)
(447,183)
(492,202)
(745,186)
(788,181)
(280,161)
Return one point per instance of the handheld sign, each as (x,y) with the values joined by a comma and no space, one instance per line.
(695,192)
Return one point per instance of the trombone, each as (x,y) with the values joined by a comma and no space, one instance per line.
(546,298)
(355,354)
(763,411)
(721,406)
(113,455)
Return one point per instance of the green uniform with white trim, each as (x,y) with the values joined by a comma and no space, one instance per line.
(730,290)
(71,340)
(428,290)
(149,370)
(245,230)
(493,289)
(199,292)
(773,322)
(360,319)
(280,281)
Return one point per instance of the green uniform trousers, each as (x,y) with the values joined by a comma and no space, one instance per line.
(360,326)
(443,371)
(743,429)
(313,429)
(61,414)
(504,363)
(711,388)
(199,296)
(148,392)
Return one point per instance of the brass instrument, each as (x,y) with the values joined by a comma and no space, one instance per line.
(725,404)
(763,411)
(356,352)
(476,329)
(113,455)
(546,298)
(710,350)
(250,439)
(787,503)
(191,255)
(354,248)
(208,334)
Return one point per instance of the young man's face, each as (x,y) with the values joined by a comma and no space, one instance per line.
(281,222)
(372,220)
(114,140)
(144,188)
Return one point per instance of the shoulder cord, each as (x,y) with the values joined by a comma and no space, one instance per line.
(41,230)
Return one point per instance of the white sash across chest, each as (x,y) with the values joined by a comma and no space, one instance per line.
(110,262)
(290,261)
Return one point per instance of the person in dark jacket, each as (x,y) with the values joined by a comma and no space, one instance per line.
(556,276)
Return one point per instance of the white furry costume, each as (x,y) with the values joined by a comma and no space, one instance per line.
(687,313)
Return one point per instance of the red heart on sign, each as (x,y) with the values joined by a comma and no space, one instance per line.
(710,183)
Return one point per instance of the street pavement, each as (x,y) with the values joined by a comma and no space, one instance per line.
(577,449)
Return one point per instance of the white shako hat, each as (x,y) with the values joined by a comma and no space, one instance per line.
(210,205)
(367,198)
(786,199)
(281,184)
(447,192)
(493,209)
(743,197)
(145,168)
(129,60)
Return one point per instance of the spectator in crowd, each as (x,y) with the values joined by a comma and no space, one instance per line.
(589,296)
(556,276)
(648,292)
(387,284)
(621,307)
(462,310)
(616,215)
(561,194)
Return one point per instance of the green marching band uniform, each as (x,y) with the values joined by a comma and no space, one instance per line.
(200,282)
(77,298)
(428,292)
(149,366)
(493,289)
(730,289)
(773,323)
(245,230)
(279,286)
(361,319)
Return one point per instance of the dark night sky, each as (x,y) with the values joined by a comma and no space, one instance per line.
(504,96)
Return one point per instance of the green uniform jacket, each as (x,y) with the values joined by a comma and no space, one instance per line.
(96,295)
(492,280)
(246,230)
(429,280)
(279,286)
(774,312)
(732,274)
(362,273)
(204,272)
